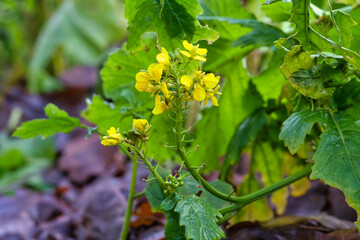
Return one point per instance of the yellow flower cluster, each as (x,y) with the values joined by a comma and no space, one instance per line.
(201,87)
(159,77)
(152,81)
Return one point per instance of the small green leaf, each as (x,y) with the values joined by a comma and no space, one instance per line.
(58,121)
(221,186)
(297,126)
(199,219)
(172,20)
(169,202)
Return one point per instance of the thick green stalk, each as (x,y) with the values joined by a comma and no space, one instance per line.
(129,206)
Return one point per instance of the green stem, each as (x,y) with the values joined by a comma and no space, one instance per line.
(126,225)
(262,193)
(139,194)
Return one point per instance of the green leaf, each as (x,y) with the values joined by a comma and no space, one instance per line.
(199,218)
(118,73)
(223,187)
(262,34)
(243,135)
(337,159)
(295,60)
(172,20)
(278,12)
(103,114)
(169,202)
(344,23)
(173,230)
(346,96)
(58,121)
(300,17)
(78,30)
(297,126)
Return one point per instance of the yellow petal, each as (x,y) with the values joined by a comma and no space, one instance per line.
(142,76)
(143,85)
(163,57)
(109,142)
(199,93)
(187,81)
(111,131)
(214,100)
(201,51)
(155,70)
(160,106)
(141,125)
(165,90)
(185,53)
(200,58)
(187,45)
(210,80)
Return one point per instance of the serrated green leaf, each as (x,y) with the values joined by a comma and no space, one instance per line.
(172,20)
(337,159)
(103,114)
(58,121)
(243,135)
(262,34)
(223,187)
(199,218)
(297,126)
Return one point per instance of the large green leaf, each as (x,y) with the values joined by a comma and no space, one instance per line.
(344,23)
(58,121)
(172,20)
(262,34)
(199,218)
(79,30)
(173,230)
(243,135)
(103,114)
(118,73)
(297,126)
(337,159)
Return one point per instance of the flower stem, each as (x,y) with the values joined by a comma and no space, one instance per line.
(129,206)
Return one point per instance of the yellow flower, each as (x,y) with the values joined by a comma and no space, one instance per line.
(199,93)
(193,51)
(210,80)
(160,106)
(165,90)
(187,81)
(109,142)
(143,79)
(211,94)
(143,83)
(163,57)
(141,125)
(113,137)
